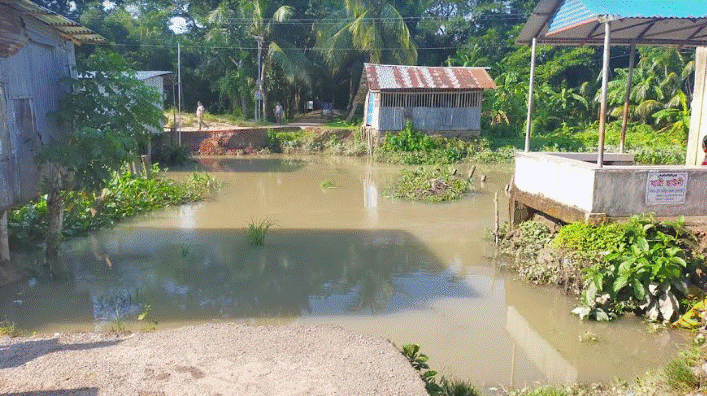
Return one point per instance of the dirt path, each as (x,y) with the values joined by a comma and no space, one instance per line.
(212,359)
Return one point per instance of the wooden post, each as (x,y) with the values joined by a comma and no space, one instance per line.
(496,220)
(698,121)
(624,122)
(604,89)
(531,97)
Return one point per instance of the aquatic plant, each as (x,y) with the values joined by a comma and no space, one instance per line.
(146,316)
(443,387)
(9,329)
(256,232)
(433,185)
(125,195)
(328,184)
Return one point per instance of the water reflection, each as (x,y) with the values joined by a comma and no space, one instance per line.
(215,274)
(266,165)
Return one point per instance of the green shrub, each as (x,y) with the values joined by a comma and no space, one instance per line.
(647,264)
(585,238)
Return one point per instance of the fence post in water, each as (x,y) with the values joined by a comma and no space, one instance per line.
(495,210)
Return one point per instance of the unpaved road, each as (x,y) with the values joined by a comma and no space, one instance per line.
(211,359)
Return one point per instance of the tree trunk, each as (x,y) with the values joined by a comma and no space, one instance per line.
(8,273)
(265,96)
(55,208)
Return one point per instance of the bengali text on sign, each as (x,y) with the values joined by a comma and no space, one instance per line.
(663,188)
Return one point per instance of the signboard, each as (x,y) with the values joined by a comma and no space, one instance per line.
(258,95)
(666,188)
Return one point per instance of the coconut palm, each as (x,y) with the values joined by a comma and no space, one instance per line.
(364,31)
(276,50)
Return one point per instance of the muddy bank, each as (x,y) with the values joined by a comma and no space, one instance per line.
(208,359)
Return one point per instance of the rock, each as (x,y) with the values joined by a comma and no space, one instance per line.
(668,305)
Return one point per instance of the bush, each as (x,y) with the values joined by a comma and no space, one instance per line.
(648,264)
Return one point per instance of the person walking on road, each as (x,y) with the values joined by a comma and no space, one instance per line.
(278,113)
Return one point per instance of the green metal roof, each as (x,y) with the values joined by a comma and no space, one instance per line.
(648,22)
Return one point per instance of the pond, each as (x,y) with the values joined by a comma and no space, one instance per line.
(347,256)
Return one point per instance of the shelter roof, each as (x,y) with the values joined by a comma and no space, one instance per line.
(68,29)
(143,75)
(397,77)
(646,22)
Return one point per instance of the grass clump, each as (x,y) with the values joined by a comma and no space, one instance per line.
(257,231)
(9,329)
(678,372)
(433,185)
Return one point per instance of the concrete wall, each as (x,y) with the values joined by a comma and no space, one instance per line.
(621,191)
(614,191)
(564,180)
(30,89)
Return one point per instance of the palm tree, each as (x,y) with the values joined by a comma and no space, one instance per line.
(274,49)
(364,30)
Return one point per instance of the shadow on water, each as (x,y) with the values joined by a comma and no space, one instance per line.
(260,165)
(16,355)
(201,274)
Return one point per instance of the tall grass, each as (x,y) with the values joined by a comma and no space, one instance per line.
(257,231)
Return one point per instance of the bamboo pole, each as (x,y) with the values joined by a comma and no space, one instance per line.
(531,97)
(624,122)
(604,89)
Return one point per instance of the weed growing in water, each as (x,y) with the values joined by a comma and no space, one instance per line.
(146,316)
(434,185)
(9,329)
(328,184)
(257,231)
(445,386)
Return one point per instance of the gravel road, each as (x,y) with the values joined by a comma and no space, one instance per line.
(210,359)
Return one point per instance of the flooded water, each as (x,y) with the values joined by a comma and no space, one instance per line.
(348,256)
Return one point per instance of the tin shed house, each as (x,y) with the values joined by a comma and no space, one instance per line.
(444,100)
(36,53)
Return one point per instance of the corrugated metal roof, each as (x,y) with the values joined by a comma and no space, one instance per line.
(648,22)
(397,77)
(143,75)
(67,28)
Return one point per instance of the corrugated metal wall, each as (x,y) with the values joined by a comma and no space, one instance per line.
(430,111)
(431,118)
(31,87)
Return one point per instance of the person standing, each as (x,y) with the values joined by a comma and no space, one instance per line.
(278,113)
(200,114)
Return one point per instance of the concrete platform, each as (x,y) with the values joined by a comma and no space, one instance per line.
(572,187)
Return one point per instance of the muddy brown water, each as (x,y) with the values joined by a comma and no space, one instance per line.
(347,255)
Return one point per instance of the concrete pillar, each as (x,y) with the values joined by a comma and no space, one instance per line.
(698,121)
(604,89)
(531,97)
